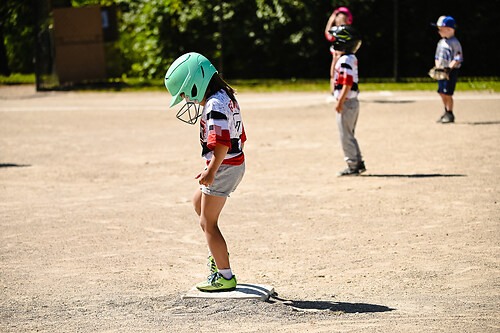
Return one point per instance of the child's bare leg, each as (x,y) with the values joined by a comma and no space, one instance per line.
(447,101)
(197,202)
(211,206)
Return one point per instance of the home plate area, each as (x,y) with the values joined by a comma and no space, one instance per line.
(243,291)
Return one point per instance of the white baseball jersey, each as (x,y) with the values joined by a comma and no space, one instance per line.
(346,73)
(447,50)
(221,123)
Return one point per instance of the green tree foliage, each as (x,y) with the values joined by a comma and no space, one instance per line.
(17,28)
(245,38)
(269,38)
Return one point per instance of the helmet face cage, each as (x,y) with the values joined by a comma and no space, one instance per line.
(189,112)
(188,78)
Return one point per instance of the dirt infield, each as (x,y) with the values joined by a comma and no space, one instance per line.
(98,233)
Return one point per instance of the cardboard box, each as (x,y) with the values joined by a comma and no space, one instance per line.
(77,25)
(80,62)
(79,44)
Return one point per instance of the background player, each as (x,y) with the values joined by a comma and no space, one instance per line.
(340,16)
(346,42)
(448,56)
(192,77)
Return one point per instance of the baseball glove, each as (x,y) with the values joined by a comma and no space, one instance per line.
(439,73)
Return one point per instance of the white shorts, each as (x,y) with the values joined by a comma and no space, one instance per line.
(226,180)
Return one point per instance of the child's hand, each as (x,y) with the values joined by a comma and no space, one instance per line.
(205,178)
(339,106)
(208,175)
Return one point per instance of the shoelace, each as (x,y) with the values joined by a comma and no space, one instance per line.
(212,279)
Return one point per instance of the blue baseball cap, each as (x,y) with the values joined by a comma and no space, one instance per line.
(445,21)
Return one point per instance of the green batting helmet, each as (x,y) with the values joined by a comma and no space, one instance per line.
(189,74)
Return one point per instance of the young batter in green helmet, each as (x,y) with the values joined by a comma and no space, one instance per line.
(222,136)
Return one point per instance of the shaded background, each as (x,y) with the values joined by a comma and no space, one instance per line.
(265,38)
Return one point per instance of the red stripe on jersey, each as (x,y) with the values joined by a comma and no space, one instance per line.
(213,138)
(237,160)
(347,80)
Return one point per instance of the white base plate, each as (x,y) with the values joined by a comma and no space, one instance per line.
(243,291)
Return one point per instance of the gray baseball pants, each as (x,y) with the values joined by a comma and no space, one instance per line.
(346,122)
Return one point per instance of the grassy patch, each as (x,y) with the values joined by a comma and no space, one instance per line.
(273,85)
(269,85)
(17,79)
(464,84)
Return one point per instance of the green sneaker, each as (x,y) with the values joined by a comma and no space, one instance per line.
(216,282)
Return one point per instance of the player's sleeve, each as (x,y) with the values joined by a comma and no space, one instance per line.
(243,136)
(218,129)
(458,56)
(329,37)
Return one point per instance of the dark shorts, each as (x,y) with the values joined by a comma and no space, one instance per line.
(447,87)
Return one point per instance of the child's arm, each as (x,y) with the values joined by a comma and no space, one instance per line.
(454,63)
(329,26)
(207,176)
(343,94)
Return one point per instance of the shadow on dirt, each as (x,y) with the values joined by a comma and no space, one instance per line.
(13,165)
(331,306)
(383,101)
(417,175)
(482,123)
